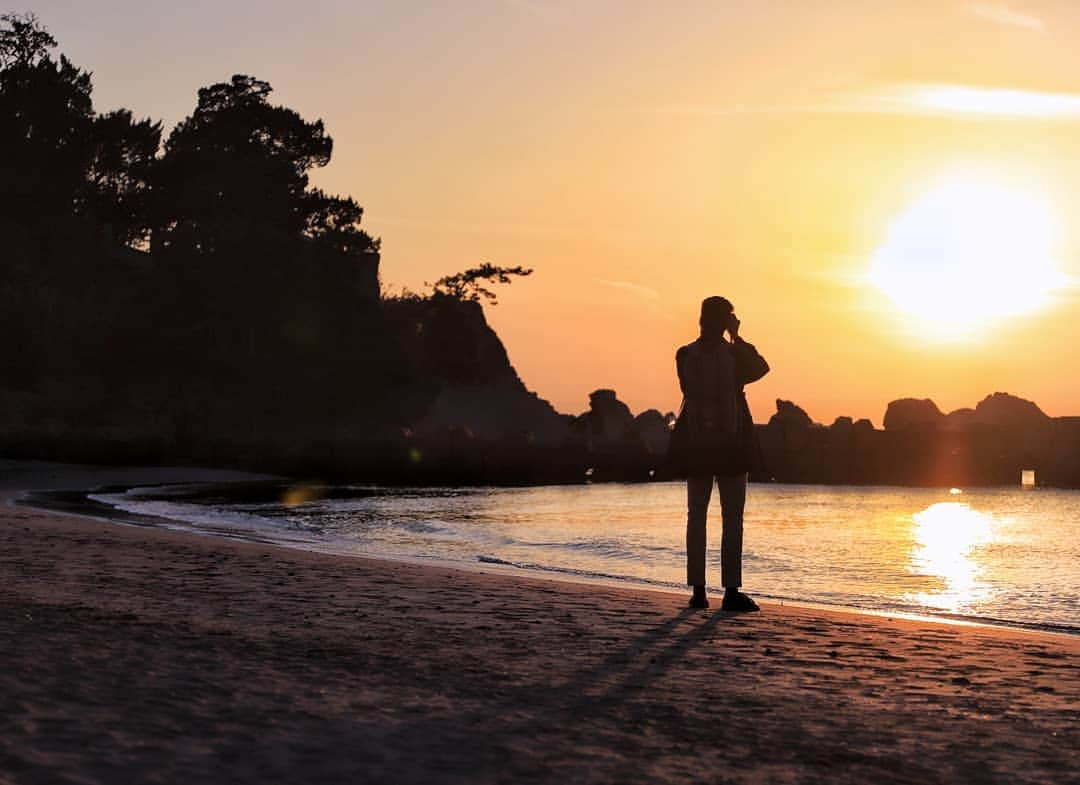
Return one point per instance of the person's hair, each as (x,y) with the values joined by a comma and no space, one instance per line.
(714,314)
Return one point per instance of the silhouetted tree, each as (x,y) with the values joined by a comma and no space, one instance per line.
(335,221)
(45,119)
(23,40)
(235,173)
(468,287)
(116,193)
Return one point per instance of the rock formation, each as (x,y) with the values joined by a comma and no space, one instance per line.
(653,431)
(790,415)
(1004,410)
(912,413)
(608,421)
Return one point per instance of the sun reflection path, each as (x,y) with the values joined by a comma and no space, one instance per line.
(947,536)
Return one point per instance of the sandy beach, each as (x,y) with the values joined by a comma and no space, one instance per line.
(135,654)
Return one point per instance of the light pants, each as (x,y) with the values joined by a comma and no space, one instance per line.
(732,500)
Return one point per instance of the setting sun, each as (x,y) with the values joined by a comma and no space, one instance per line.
(966,255)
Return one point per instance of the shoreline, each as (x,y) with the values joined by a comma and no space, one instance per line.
(146,654)
(86,508)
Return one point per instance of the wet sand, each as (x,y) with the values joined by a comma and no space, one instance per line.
(142,655)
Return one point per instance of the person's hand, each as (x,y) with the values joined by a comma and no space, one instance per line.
(733,327)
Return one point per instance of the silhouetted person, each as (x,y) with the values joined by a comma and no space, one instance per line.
(715,441)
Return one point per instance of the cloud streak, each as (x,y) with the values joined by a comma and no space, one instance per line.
(948,99)
(1002,14)
(933,100)
(649,299)
(636,289)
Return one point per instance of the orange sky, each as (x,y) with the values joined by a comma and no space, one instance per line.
(641,156)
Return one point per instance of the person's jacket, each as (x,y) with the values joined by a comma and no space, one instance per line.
(714,433)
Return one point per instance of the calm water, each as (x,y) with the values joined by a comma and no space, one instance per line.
(1003,555)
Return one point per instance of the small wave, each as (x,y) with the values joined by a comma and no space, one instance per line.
(181,490)
(424,527)
(208,520)
(605,548)
(495,560)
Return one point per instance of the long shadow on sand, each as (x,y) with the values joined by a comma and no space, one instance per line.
(573,709)
(632,678)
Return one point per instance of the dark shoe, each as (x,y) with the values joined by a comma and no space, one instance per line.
(699,600)
(737,602)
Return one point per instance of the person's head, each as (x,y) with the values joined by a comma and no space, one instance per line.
(715,316)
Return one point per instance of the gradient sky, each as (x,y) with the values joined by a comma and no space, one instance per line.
(641,156)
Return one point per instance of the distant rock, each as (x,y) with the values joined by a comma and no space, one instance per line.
(842,426)
(608,420)
(959,419)
(912,413)
(1008,411)
(789,415)
(652,430)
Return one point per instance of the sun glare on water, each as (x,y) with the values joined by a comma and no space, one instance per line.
(947,538)
(967,255)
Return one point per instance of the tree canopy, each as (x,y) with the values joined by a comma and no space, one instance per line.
(123,154)
(231,179)
(45,118)
(23,40)
(235,173)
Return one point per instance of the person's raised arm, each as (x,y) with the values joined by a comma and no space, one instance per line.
(749,364)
